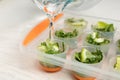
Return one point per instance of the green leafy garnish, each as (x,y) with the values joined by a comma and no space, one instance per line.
(85,56)
(63,34)
(117,64)
(75,22)
(105,27)
(51,47)
(96,39)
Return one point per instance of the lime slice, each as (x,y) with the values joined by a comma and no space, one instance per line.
(99,40)
(117,65)
(42,48)
(55,48)
(84,54)
(94,35)
(101,25)
(78,24)
(118,59)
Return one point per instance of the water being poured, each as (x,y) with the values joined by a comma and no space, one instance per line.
(52,8)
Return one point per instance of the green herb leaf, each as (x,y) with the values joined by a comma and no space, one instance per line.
(86,56)
(51,47)
(96,39)
(75,22)
(63,34)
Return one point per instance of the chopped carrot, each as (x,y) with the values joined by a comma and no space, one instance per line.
(83,78)
(38,29)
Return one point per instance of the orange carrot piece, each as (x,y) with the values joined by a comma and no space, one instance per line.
(38,29)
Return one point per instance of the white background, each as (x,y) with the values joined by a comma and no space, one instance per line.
(14,13)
